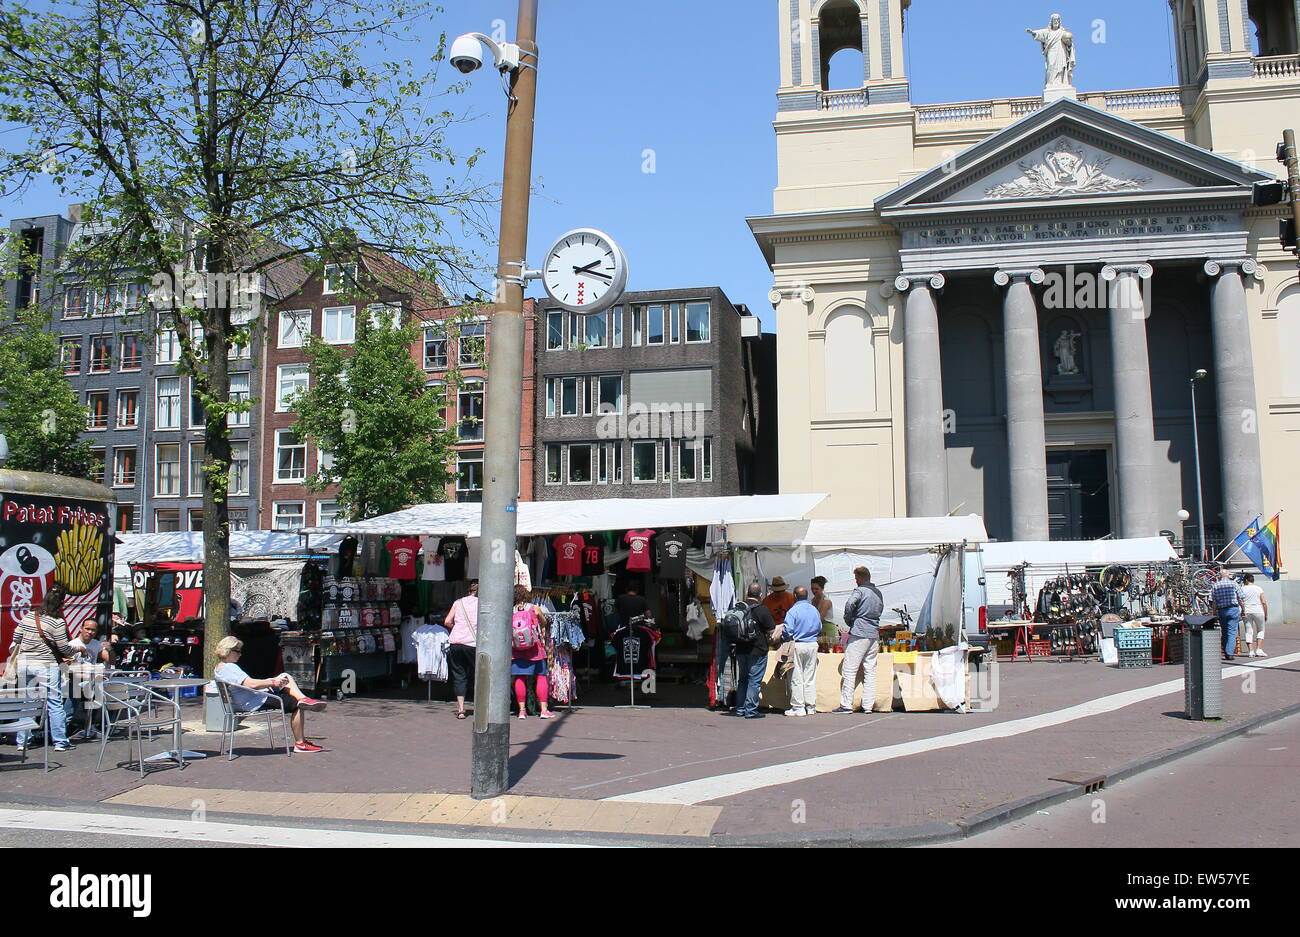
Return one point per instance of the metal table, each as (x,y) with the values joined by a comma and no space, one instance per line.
(176,684)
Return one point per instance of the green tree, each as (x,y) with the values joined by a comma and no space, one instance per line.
(245,141)
(40,416)
(372,412)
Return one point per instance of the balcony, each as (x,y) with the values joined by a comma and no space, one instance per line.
(1277,66)
(1130,104)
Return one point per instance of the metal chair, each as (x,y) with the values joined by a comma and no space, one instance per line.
(136,705)
(25,712)
(231,718)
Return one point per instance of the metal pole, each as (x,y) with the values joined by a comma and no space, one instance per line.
(1200,501)
(490,753)
(1292,160)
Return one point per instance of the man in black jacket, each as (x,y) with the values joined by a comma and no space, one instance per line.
(751,658)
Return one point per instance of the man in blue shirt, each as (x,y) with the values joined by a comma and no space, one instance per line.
(1229,603)
(803,626)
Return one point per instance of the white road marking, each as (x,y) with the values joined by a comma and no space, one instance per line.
(240,834)
(703,790)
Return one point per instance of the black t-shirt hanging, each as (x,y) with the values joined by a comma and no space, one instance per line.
(454,551)
(584,603)
(633,652)
(670,554)
(593,557)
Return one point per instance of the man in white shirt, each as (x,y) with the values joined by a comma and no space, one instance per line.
(1255,617)
(87,646)
(86,649)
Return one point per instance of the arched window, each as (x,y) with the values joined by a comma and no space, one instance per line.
(1274,23)
(840,28)
(850,363)
(1288,321)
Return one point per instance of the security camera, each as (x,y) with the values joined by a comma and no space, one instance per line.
(466,54)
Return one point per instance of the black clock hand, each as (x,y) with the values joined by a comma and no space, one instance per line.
(592,273)
(588,268)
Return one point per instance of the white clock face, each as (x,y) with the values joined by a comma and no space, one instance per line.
(585,271)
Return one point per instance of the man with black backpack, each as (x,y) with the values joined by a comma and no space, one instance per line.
(748,625)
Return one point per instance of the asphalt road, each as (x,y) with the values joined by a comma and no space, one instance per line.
(1241,793)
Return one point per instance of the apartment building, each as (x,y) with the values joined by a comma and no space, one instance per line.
(656,397)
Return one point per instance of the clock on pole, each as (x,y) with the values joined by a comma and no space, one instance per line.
(585,271)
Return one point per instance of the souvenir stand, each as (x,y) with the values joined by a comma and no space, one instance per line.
(575,557)
(1067,598)
(917,564)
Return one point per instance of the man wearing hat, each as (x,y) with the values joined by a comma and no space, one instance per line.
(779,600)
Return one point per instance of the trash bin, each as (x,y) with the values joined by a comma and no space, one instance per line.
(1202,668)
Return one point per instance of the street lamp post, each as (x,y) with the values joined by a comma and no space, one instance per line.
(1196,447)
(489,767)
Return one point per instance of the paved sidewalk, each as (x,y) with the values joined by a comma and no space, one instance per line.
(691,775)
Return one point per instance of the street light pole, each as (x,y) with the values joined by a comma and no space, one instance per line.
(1196,446)
(489,766)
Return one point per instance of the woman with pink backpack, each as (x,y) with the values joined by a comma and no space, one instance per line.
(528,652)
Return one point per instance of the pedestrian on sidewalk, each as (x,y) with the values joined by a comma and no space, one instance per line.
(803,626)
(463,646)
(1255,616)
(39,652)
(529,660)
(751,656)
(250,695)
(1229,603)
(862,619)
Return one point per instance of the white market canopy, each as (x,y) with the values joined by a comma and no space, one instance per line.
(187,547)
(1078,553)
(562,517)
(891,533)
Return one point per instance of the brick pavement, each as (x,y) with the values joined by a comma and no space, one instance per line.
(400,747)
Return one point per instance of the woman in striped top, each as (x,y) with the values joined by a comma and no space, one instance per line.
(40,647)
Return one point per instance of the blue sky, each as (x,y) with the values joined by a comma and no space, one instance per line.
(694,81)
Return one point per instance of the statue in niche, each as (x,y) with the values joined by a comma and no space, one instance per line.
(1058,50)
(1065,349)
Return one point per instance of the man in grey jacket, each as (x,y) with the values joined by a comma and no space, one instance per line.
(862,617)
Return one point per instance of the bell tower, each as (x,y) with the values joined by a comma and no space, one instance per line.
(1218,39)
(868,33)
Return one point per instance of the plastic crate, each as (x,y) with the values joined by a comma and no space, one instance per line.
(1040,647)
(1132,638)
(1134,657)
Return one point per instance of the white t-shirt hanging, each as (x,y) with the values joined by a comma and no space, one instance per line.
(434,568)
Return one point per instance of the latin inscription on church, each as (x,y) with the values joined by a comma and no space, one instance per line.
(1047,231)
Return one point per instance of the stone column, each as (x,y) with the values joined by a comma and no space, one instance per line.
(927,466)
(1026,435)
(1134,422)
(1234,384)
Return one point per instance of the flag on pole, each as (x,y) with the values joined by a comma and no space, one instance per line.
(1262,544)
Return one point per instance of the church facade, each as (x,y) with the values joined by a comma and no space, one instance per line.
(1001,307)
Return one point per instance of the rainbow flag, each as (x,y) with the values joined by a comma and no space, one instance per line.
(1262,544)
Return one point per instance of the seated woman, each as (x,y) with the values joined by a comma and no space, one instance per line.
(250,695)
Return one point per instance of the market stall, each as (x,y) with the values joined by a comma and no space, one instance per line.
(917,563)
(578,558)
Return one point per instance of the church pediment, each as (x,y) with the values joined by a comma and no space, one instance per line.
(1069,150)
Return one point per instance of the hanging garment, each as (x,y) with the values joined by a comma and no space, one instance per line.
(696,623)
(454,552)
(638,541)
(522,576)
(406,645)
(670,554)
(564,688)
(401,557)
(566,630)
(593,556)
(588,611)
(431,642)
(634,650)
(434,569)
(568,554)
(722,590)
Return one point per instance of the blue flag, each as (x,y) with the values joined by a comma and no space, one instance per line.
(1259,542)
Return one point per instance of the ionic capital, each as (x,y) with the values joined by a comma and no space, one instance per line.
(1143,271)
(1032,274)
(905,281)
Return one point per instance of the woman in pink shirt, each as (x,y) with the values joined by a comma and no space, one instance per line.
(463,622)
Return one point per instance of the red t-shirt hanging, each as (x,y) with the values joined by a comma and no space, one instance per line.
(401,557)
(568,554)
(638,542)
